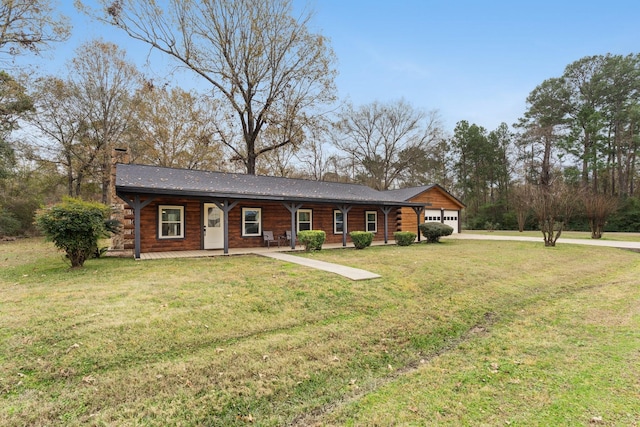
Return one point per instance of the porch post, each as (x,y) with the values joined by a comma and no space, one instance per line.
(418,210)
(385,211)
(344,209)
(137,206)
(293,208)
(225,207)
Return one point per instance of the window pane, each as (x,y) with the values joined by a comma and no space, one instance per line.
(250,228)
(171,215)
(371,226)
(305,226)
(304,216)
(371,217)
(251,215)
(338,216)
(171,229)
(339,227)
(214,217)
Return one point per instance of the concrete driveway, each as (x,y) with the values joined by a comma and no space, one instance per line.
(561,240)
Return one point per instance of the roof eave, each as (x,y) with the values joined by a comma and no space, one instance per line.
(262,197)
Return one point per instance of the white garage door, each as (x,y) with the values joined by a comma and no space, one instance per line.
(450,217)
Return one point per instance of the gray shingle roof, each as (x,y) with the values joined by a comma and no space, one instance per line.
(131,178)
(408,193)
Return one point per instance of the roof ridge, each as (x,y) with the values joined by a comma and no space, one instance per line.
(250,176)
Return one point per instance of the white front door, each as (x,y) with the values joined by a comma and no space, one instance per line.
(213,227)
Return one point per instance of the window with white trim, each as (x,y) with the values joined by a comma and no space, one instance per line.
(251,222)
(371,219)
(305,219)
(170,222)
(338,222)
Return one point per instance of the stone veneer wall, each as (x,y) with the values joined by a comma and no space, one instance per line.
(119,209)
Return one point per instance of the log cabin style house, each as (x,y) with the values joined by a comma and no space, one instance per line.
(166,209)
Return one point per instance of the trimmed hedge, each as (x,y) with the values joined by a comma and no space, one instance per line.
(361,239)
(434,230)
(404,238)
(312,239)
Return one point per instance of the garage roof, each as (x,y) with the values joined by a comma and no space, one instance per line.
(410,193)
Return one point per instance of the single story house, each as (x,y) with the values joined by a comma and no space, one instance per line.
(167,209)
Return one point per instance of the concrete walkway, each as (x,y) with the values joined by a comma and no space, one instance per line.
(279,254)
(561,240)
(349,272)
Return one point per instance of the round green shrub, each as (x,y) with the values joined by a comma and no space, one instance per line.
(75,226)
(312,239)
(404,238)
(361,239)
(432,231)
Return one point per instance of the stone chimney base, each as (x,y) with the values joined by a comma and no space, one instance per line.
(119,209)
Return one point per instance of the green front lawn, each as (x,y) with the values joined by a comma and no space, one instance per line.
(457,333)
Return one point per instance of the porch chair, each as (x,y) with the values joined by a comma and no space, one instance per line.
(267,236)
(287,236)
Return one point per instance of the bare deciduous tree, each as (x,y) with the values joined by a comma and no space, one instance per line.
(24,25)
(521,203)
(104,83)
(264,62)
(59,121)
(82,117)
(553,205)
(385,140)
(315,158)
(598,207)
(175,129)
(14,104)
(30,25)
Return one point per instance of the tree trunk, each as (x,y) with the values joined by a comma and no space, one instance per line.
(69,177)
(251,163)
(585,159)
(597,228)
(545,175)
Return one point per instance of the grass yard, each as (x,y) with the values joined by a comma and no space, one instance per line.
(459,333)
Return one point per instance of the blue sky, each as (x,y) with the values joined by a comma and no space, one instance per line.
(471,60)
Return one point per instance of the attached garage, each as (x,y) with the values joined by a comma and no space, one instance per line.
(445,216)
(440,206)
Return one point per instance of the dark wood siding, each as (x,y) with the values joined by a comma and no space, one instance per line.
(275,217)
(149,241)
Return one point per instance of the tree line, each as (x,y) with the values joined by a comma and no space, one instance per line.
(267,105)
